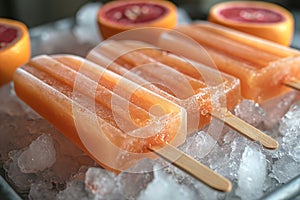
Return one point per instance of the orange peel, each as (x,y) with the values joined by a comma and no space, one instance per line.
(117,16)
(262,19)
(14,47)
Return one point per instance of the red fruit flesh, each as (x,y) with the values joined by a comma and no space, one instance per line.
(251,15)
(7,35)
(135,13)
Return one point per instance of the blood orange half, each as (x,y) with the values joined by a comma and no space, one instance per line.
(117,16)
(14,47)
(265,20)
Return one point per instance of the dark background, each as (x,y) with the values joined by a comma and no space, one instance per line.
(37,12)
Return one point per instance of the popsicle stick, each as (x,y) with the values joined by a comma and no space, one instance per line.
(295,84)
(193,167)
(248,130)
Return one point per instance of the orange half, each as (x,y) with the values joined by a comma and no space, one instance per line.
(262,19)
(117,16)
(14,48)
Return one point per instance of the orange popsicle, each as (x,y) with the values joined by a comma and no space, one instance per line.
(263,67)
(198,88)
(201,90)
(112,119)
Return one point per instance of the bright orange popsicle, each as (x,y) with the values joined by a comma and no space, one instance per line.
(111,118)
(262,66)
(197,88)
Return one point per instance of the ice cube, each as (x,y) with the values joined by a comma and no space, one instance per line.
(76,189)
(197,189)
(229,137)
(164,186)
(15,132)
(290,123)
(67,154)
(132,183)
(179,175)
(39,156)
(250,112)
(198,145)
(219,161)
(226,155)
(42,190)
(20,180)
(290,129)
(204,192)
(226,159)
(251,173)
(277,107)
(102,183)
(218,156)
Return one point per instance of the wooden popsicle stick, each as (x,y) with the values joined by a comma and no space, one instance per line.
(247,130)
(193,167)
(295,84)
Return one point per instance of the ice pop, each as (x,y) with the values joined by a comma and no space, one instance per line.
(115,121)
(201,90)
(58,92)
(263,67)
(174,78)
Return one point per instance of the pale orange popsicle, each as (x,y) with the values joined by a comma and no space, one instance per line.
(263,67)
(198,89)
(111,118)
(202,91)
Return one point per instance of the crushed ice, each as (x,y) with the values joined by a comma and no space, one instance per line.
(165,187)
(39,155)
(250,112)
(42,164)
(251,173)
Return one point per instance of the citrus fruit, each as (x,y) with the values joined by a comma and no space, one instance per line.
(265,20)
(14,47)
(117,16)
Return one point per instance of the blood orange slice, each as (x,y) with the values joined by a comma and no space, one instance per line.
(265,20)
(14,47)
(117,16)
